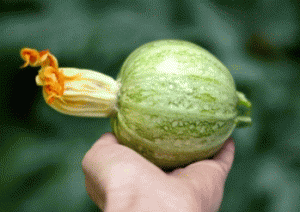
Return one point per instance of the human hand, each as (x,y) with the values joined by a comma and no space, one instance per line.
(120,180)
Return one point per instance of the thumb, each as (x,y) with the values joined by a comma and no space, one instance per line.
(208,176)
(225,157)
(221,162)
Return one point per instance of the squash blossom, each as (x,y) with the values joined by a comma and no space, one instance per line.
(72,91)
(173,102)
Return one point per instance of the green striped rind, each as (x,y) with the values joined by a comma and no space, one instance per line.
(172,144)
(177,103)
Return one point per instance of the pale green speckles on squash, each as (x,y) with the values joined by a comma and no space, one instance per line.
(164,127)
(175,92)
(206,97)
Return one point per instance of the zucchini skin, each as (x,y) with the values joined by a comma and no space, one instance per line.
(177,103)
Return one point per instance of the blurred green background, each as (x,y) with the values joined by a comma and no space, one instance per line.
(41,150)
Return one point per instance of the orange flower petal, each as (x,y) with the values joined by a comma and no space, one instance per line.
(30,56)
